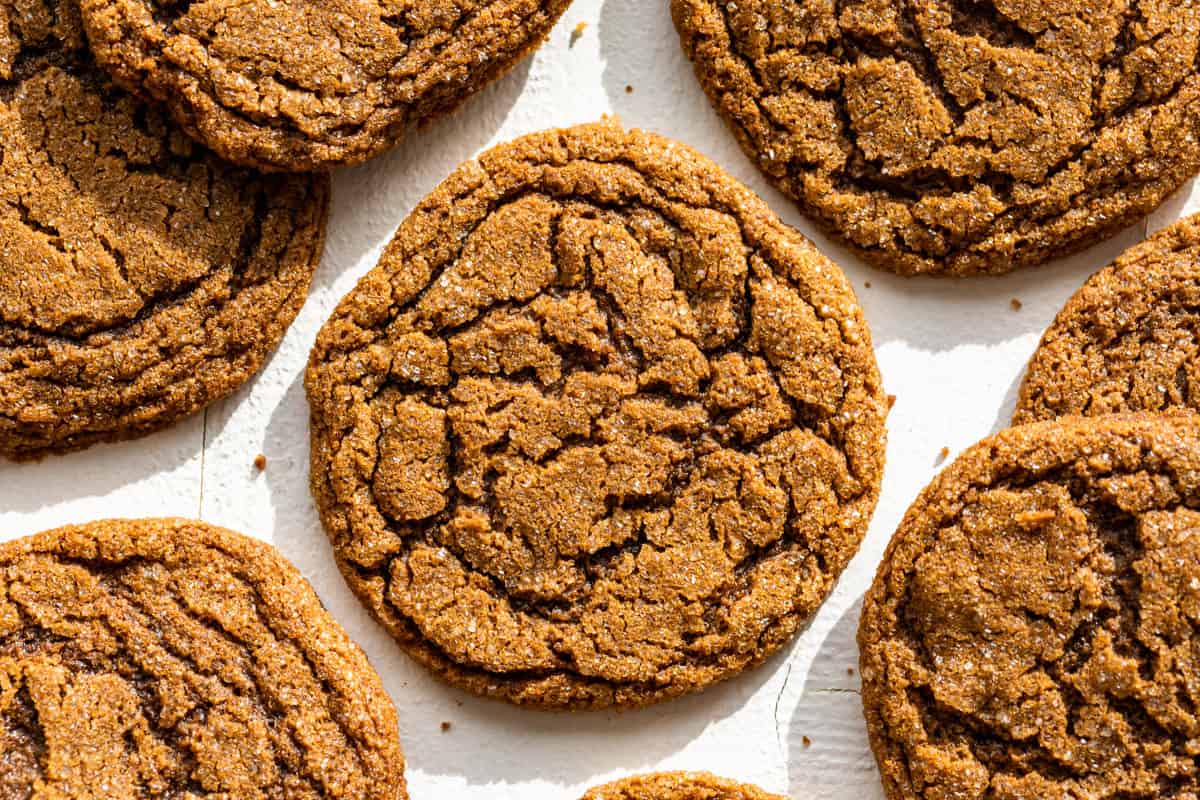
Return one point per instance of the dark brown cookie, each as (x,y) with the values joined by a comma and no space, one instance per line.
(677,786)
(301,85)
(144,659)
(140,277)
(955,136)
(1034,630)
(1128,340)
(599,429)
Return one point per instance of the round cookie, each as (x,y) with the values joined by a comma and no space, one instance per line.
(1033,630)
(141,278)
(1127,340)
(144,659)
(298,85)
(677,786)
(957,137)
(599,429)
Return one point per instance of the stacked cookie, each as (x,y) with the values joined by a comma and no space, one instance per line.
(145,274)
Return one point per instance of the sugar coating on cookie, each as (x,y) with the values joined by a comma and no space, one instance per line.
(598,429)
(145,659)
(954,136)
(677,786)
(1129,340)
(300,85)
(1034,627)
(140,277)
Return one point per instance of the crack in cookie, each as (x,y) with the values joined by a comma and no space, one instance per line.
(599,429)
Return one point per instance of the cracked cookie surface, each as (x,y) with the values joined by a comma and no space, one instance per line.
(1129,340)
(599,429)
(299,85)
(1034,629)
(677,786)
(168,658)
(141,277)
(958,136)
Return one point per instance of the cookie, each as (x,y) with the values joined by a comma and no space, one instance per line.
(1033,630)
(141,278)
(599,429)
(677,786)
(166,658)
(956,137)
(1127,340)
(300,85)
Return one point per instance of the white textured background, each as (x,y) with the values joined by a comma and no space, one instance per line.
(952,353)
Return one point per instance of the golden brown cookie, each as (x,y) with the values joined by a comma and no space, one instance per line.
(141,278)
(958,137)
(1128,340)
(599,429)
(1034,629)
(677,786)
(158,658)
(300,85)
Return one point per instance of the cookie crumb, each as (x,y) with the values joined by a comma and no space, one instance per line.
(1016,304)
(867,284)
(942,455)
(577,34)
(628,89)
(260,462)
(807,742)
(849,670)
(891,401)
(446,726)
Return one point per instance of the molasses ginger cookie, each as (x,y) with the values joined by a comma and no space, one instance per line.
(300,85)
(677,786)
(1127,341)
(958,137)
(140,277)
(599,429)
(144,659)
(1033,630)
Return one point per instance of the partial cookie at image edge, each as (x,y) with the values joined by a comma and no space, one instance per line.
(955,140)
(331,85)
(677,786)
(164,656)
(1053,558)
(1127,340)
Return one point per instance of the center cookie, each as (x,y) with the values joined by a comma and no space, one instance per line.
(599,429)
(677,786)
(1034,630)
(301,85)
(958,136)
(141,277)
(162,659)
